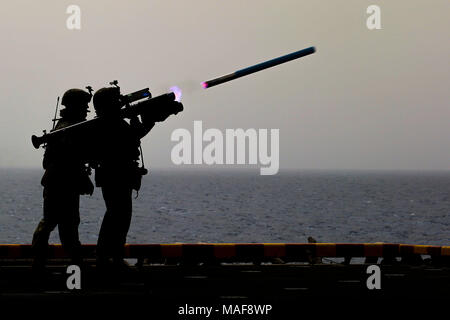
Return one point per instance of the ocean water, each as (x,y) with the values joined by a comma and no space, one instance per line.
(242,206)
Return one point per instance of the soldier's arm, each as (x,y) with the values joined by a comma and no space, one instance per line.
(141,128)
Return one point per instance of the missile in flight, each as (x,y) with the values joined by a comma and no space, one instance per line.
(258,67)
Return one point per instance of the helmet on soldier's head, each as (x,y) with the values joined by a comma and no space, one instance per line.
(107,100)
(75,98)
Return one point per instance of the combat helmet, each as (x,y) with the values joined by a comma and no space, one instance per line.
(107,100)
(75,98)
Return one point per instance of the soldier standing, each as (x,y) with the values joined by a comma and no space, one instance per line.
(66,177)
(117,169)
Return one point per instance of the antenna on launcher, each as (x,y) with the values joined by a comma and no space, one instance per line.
(56,112)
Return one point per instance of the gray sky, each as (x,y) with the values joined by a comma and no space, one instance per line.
(368,99)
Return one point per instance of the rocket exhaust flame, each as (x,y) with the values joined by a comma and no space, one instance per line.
(177,92)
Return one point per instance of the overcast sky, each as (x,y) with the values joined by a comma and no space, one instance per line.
(367,99)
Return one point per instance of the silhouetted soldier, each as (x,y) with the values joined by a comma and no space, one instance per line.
(65,178)
(117,170)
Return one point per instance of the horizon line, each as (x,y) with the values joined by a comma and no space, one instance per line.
(253,168)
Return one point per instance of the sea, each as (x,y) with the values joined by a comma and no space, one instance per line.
(222,206)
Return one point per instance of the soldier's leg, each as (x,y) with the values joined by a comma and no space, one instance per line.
(123,221)
(117,220)
(68,226)
(106,233)
(46,226)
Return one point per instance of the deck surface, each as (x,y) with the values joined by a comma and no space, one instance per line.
(165,288)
